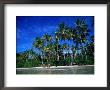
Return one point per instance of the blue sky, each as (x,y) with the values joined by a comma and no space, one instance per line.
(30,27)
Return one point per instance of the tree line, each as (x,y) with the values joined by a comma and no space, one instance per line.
(52,53)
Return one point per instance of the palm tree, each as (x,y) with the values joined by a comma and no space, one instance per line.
(63,30)
(47,38)
(57,38)
(78,35)
(92,46)
(48,46)
(72,35)
(47,53)
(61,34)
(39,43)
(83,32)
(73,49)
(89,51)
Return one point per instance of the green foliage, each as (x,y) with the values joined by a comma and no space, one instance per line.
(52,52)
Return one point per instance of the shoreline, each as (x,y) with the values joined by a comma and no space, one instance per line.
(55,67)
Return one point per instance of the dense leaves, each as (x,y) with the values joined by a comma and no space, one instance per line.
(50,52)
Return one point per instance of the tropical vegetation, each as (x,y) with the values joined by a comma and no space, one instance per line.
(50,52)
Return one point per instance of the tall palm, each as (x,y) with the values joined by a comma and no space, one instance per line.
(39,43)
(57,38)
(78,34)
(61,34)
(65,34)
(92,46)
(72,35)
(47,41)
(83,34)
(73,54)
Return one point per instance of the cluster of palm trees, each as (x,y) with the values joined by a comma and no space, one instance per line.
(53,52)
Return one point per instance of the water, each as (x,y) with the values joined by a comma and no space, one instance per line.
(57,70)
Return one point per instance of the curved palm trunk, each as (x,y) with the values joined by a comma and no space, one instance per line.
(49,61)
(48,57)
(74,51)
(72,59)
(64,56)
(81,53)
(75,54)
(42,58)
(86,53)
(82,56)
(72,56)
(57,52)
(57,55)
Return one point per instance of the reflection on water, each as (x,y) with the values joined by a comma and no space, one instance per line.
(57,70)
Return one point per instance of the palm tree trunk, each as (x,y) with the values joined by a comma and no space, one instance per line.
(72,56)
(64,56)
(81,53)
(57,53)
(72,59)
(49,61)
(75,54)
(86,53)
(42,57)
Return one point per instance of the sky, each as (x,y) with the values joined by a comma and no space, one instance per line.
(30,27)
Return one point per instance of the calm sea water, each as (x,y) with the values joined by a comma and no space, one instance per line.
(57,70)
